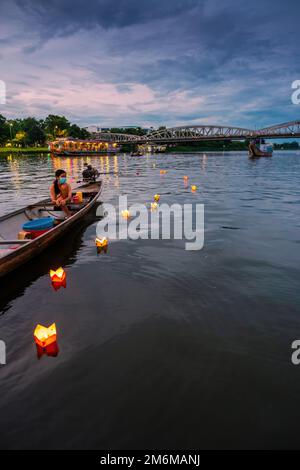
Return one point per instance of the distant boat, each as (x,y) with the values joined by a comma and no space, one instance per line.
(260,149)
(136,154)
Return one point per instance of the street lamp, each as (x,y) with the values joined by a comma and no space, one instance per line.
(10,126)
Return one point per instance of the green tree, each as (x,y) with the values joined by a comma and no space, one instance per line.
(4,130)
(78,133)
(56,126)
(35,133)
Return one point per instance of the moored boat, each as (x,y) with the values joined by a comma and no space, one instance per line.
(14,251)
(69,147)
(259,148)
(64,153)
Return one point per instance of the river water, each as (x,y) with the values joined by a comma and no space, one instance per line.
(159,347)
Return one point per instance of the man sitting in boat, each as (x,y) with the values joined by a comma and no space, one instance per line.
(61,192)
(89,173)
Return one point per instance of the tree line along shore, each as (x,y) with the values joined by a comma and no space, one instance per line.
(31,135)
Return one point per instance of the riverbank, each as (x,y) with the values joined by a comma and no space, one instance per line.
(24,150)
(213,146)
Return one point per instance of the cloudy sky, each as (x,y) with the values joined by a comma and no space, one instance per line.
(151,62)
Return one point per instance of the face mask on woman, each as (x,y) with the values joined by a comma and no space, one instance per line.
(62,180)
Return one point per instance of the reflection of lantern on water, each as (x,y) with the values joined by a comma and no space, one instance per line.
(51,350)
(194,188)
(58,278)
(154,206)
(163,172)
(156,197)
(44,336)
(125,214)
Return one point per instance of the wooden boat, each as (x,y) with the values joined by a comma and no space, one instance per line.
(15,252)
(255,151)
(136,154)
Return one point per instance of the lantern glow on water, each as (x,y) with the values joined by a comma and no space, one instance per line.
(185,177)
(154,206)
(44,336)
(163,172)
(50,350)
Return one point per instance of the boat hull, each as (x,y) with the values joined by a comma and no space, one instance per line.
(84,154)
(30,249)
(255,152)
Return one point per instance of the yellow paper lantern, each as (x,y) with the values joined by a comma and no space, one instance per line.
(156,197)
(194,188)
(125,214)
(163,172)
(44,336)
(101,242)
(57,276)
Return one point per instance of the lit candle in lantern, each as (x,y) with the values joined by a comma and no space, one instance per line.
(125,214)
(44,336)
(57,276)
(101,242)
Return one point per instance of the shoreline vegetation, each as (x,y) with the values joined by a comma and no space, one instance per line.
(204,147)
(24,150)
(30,135)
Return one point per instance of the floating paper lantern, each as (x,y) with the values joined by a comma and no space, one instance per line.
(194,188)
(44,336)
(101,242)
(163,172)
(185,177)
(154,206)
(125,214)
(57,276)
(156,197)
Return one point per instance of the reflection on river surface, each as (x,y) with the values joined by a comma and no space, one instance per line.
(159,347)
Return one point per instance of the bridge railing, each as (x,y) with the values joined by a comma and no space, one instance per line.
(205,132)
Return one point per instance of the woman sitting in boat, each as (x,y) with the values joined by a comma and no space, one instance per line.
(61,192)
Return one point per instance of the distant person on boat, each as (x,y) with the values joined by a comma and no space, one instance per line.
(61,192)
(89,173)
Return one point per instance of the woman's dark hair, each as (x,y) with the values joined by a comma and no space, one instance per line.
(58,173)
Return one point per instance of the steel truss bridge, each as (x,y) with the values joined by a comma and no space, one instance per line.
(199,133)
